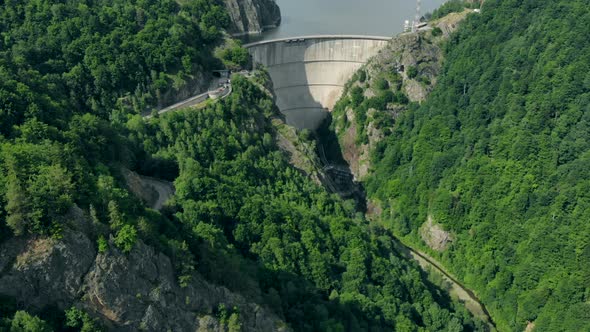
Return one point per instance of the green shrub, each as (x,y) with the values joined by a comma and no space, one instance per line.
(24,322)
(436,32)
(381,84)
(357,96)
(76,318)
(126,238)
(401,98)
(380,101)
(412,72)
(102,244)
(395,80)
(362,76)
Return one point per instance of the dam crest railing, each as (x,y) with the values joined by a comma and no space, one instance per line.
(315,37)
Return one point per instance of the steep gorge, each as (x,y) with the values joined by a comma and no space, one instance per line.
(408,66)
(399,77)
(494,154)
(495,157)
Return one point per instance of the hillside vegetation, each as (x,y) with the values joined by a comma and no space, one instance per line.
(245,219)
(243,210)
(71,74)
(400,76)
(73,77)
(499,155)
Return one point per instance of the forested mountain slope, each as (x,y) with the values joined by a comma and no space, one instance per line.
(499,157)
(248,242)
(243,210)
(60,58)
(243,219)
(402,74)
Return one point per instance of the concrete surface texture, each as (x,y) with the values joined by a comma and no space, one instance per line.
(309,73)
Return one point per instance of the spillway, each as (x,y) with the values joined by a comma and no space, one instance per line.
(309,73)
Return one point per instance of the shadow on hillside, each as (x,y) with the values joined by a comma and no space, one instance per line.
(330,152)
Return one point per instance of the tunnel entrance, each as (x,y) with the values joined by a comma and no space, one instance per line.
(222,73)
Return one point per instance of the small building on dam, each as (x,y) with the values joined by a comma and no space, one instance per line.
(309,73)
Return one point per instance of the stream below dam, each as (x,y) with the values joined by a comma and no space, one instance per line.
(330,154)
(450,284)
(370,18)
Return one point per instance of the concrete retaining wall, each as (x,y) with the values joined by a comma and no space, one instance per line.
(309,73)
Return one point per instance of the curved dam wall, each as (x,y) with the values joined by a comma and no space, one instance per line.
(309,73)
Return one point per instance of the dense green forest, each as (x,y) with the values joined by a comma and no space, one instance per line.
(63,58)
(242,210)
(74,77)
(238,202)
(499,155)
(71,73)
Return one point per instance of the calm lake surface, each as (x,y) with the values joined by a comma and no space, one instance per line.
(345,17)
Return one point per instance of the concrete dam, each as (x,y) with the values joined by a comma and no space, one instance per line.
(309,73)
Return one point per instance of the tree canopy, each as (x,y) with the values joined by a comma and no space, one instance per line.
(240,203)
(499,156)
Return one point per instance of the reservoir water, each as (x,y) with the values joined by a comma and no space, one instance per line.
(345,17)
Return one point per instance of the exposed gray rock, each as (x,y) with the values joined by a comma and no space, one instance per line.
(208,323)
(435,236)
(252,16)
(127,292)
(422,51)
(196,84)
(43,271)
(407,51)
(139,291)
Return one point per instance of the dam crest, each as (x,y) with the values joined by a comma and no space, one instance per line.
(309,73)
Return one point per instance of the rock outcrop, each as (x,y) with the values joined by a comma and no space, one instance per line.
(126,292)
(195,84)
(154,192)
(252,16)
(402,53)
(435,236)
(410,64)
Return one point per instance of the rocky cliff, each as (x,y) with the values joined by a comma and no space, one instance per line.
(252,16)
(405,71)
(126,292)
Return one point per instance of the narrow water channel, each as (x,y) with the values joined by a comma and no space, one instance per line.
(453,286)
(366,17)
(330,153)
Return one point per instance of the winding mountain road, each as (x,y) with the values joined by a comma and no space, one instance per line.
(164,189)
(194,101)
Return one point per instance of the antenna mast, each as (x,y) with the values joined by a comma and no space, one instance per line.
(417,18)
